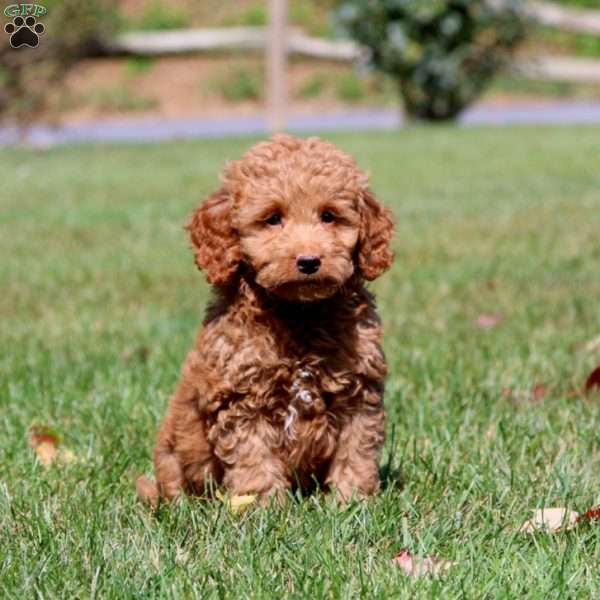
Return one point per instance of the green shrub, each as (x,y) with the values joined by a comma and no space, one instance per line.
(569,42)
(313,87)
(138,65)
(242,85)
(441,53)
(515,84)
(349,88)
(254,16)
(118,98)
(312,16)
(579,3)
(587,45)
(157,17)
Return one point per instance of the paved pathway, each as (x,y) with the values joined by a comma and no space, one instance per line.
(145,130)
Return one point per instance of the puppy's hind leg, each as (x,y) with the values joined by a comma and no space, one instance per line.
(147,490)
(169,476)
(183,459)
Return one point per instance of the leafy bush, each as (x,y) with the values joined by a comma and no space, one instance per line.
(442,53)
(313,87)
(254,16)
(30,76)
(568,42)
(138,65)
(349,88)
(118,98)
(312,16)
(158,17)
(242,85)
(579,3)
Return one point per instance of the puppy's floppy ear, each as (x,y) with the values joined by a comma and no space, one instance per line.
(214,240)
(376,228)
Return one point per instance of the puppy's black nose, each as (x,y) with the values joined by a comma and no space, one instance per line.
(308,263)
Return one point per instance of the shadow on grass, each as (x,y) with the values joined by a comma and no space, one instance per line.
(389,474)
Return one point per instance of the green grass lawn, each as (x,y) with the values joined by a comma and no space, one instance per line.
(100,300)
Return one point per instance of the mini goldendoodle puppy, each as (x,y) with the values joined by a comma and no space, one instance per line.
(284,386)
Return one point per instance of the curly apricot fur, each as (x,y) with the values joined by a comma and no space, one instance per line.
(285,383)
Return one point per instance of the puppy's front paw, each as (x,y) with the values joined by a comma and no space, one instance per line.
(351,486)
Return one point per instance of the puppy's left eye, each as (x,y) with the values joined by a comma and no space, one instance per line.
(327,216)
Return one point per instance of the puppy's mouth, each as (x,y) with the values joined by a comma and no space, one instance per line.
(307,289)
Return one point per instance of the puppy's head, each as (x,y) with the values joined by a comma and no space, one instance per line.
(299,214)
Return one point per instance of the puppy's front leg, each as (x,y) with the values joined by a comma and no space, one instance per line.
(251,466)
(354,468)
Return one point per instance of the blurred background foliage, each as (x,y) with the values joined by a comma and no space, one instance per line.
(440,55)
(31,77)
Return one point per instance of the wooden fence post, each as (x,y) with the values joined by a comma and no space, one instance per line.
(277,65)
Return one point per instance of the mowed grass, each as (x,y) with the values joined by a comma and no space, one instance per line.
(100,301)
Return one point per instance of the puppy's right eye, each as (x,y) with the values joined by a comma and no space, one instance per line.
(274,219)
(327,216)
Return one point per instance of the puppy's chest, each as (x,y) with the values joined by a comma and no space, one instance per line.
(301,399)
(304,379)
(288,375)
(305,398)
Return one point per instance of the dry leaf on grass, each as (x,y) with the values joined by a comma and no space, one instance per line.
(592,514)
(418,566)
(593,381)
(46,444)
(46,453)
(537,393)
(237,504)
(488,321)
(551,519)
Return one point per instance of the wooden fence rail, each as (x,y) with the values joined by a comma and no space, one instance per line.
(148,43)
(179,41)
(574,20)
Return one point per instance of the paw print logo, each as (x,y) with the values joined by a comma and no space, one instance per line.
(24,32)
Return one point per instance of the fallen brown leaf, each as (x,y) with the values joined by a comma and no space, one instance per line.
(40,434)
(591,514)
(45,442)
(46,453)
(551,519)
(416,566)
(593,381)
(488,321)
(538,392)
(535,394)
